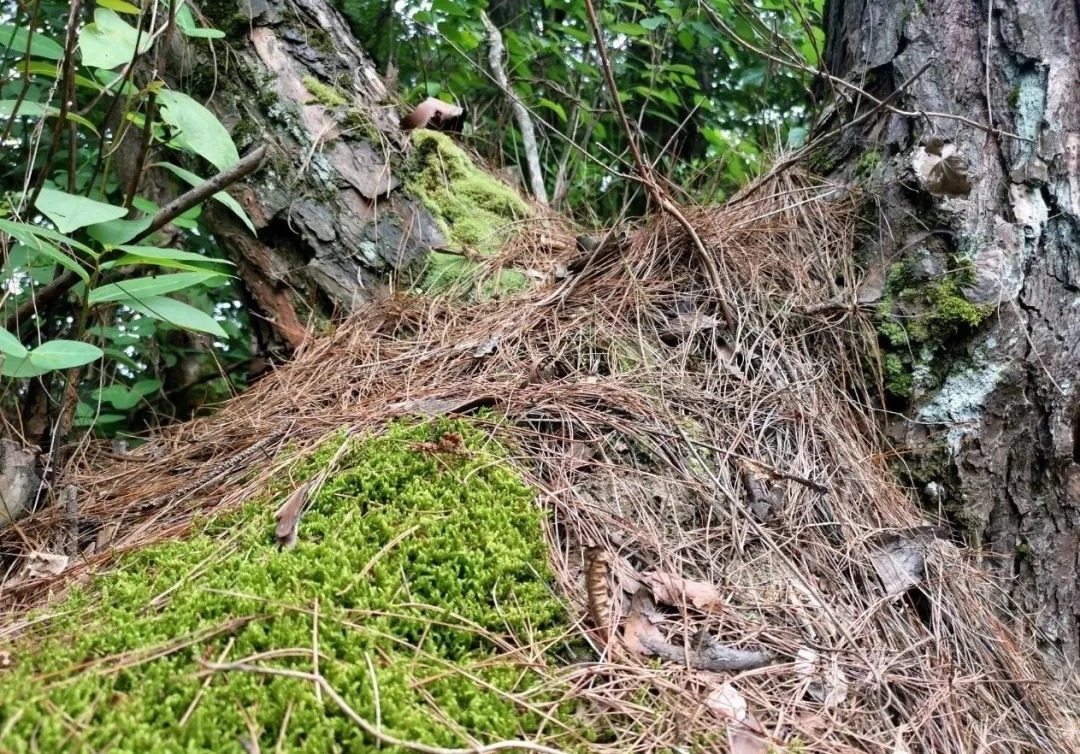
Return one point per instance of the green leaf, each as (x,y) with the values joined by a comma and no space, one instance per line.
(51,356)
(450,8)
(71,212)
(53,71)
(28,234)
(10,345)
(40,45)
(654,23)
(554,107)
(64,260)
(154,252)
(178,313)
(110,41)
(132,291)
(146,387)
(221,196)
(120,396)
(186,21)
(173,258)
(31,109)
(115,232)
(630,30)
(201,133)
(120,6)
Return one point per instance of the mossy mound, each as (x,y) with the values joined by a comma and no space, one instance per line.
(473,209)
(424,565)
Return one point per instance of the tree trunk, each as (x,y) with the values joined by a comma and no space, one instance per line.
(978,295)
(332,218)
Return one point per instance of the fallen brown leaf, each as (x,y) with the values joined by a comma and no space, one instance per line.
(640,629)
(288,516)
(745,734)
(675,590)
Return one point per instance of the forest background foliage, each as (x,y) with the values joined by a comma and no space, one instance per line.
(146,322)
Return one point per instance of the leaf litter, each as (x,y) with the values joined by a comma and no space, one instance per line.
(739,463)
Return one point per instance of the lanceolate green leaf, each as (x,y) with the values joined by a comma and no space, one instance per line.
(71,212)
(31,109)
(51,356)
(172,258)
(118,231)
(176,255)
(221,196)
(132,291)
(200,132)
(41,46)
(178,313)
(29,234)
(64,260)
(186,21)
(10,345)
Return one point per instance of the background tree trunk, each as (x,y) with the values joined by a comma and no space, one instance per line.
(992,407)
(332,219)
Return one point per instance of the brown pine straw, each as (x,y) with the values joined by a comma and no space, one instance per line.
(632,410)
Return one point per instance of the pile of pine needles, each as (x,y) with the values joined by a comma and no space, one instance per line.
(717,484)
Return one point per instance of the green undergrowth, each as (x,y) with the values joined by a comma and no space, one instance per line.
(426,567)
(475,211)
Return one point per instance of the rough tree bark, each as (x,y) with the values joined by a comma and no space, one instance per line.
(332,218)
(992,406)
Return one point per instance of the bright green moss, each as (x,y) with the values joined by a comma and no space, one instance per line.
(421,563)
(474,210)
(868,163)
(323,93)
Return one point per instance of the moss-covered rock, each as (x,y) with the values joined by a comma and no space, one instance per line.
(424,566)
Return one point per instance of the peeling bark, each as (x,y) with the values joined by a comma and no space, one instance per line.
(332,219)
(1003,421)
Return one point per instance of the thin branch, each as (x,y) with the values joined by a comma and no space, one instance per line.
(181,204)
(144,148)
(45,296)
(521,114)
(65,103)
(650,184)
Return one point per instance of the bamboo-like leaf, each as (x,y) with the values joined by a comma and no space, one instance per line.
(129,291)
(200,132)
(71,212)
(177,313)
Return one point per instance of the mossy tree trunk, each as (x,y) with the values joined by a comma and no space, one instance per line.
(978,293)
(332,219)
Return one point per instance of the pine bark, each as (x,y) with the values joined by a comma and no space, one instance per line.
(998,431)
(333,220)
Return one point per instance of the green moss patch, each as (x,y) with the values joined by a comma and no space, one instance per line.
(474,210)
(917,319)
(427,568)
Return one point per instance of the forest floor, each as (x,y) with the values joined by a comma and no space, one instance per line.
(639,506)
